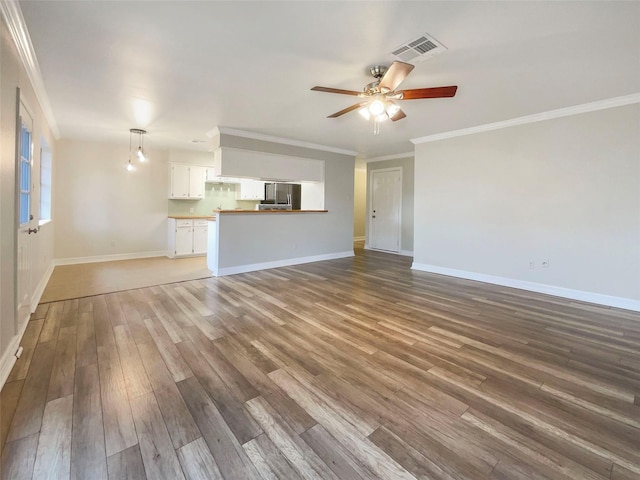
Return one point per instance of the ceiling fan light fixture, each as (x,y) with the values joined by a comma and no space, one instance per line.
(391,109)
(364,111)
(376,107)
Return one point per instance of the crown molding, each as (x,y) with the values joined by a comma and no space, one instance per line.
(269,138)
(394,156)
(15,22)
(537,117)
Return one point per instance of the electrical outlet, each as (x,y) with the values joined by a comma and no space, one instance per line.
(544,263)
(191,210)
(113,243)
(532,264)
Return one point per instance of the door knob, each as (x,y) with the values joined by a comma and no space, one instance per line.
(33,230)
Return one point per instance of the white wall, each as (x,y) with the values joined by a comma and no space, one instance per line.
(103,210)
(406,222)
(42,259)
(15,76)
(191,157)
(312,195)
(565,190)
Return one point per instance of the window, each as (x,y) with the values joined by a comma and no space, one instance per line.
(25,175)
(45,182)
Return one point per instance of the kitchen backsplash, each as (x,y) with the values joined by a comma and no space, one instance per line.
(215,195)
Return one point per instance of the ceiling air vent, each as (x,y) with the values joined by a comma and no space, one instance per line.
(421,48)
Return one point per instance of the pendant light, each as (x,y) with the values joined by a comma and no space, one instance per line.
(140,152)
(140,155)
(130,166)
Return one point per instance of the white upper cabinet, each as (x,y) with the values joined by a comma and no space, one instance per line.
(179,181)
(250,190)
(210,175)
(267,166)
(196,181)
(186,181)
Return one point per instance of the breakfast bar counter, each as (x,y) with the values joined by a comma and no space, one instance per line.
(247,240)
(260,212)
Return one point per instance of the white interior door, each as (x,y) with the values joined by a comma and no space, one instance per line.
(386,209)
(26,224)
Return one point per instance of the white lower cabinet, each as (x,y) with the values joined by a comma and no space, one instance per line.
(186,237)
(184,241)
(199,237)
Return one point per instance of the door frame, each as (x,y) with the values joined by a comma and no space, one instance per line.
(370,207)
(21,319)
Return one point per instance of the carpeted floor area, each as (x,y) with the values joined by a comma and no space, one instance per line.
(87,279)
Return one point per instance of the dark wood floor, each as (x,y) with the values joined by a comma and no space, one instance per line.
(353,368)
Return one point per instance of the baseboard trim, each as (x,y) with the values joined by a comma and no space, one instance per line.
(404,253)
(108,258)
(37,294)
(221,272)
(9,357)
(590,297)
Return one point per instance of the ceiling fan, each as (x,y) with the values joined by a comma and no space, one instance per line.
(378,96)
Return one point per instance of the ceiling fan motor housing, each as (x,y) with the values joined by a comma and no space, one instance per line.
(372,88)
(378,71)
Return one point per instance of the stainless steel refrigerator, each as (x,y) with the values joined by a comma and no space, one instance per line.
(283,194)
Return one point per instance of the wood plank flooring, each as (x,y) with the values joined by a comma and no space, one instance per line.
(356,368)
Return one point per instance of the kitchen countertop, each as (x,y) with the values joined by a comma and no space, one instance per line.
(192,217)
(271,212)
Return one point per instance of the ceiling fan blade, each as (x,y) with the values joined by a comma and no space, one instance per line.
(398,116)
(435,92)
(335,90)
(396,73)
(348,109)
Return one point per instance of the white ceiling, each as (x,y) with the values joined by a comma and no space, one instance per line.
(181,68)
